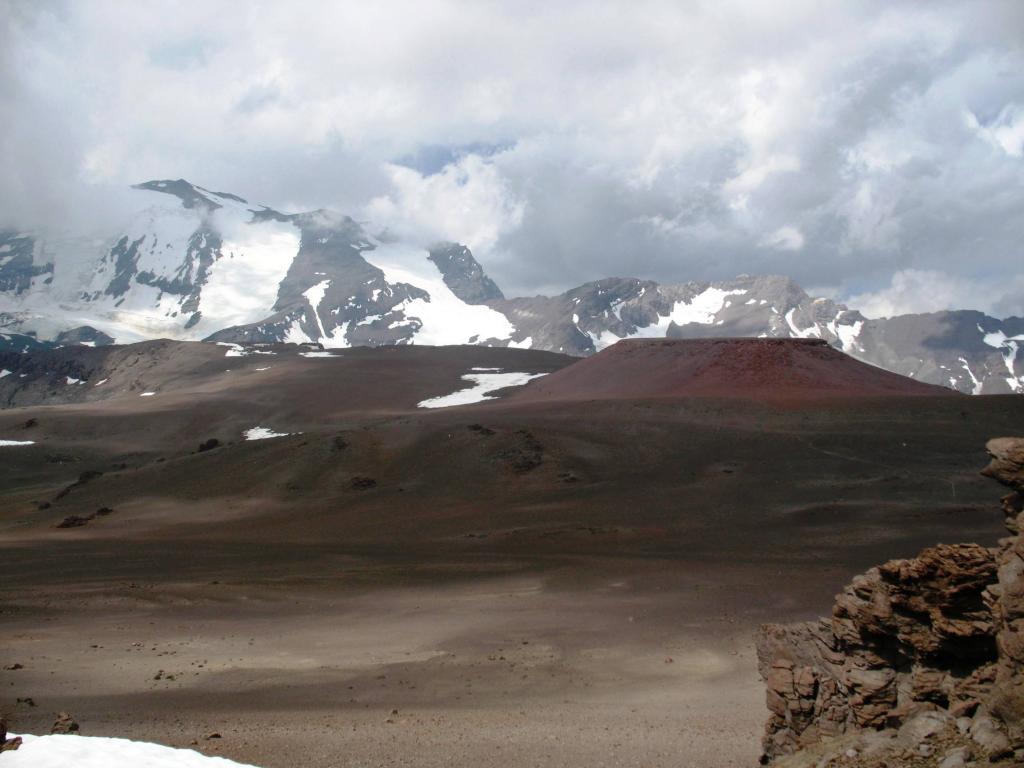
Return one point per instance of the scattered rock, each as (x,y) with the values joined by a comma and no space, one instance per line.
(480,429)
(362,483)
(30,423)
(64,724)
(923,726)
(339,443)
(28,701)
(213,735)
(77,521)
(86,477)
(525,454)
(988,735)
(13,667)
(209,445)
(956,758)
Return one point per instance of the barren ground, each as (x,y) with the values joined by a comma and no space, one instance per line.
(526,584)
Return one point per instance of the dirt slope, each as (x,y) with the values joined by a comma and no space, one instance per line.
(752,369)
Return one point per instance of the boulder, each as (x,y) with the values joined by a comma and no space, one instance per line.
(64,724)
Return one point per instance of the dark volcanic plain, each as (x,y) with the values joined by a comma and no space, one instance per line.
(536,580)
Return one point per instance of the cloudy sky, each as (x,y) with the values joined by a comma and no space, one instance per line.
(874,151)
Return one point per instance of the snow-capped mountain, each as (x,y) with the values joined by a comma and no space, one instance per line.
(188,263)
(197,264)
(966,350)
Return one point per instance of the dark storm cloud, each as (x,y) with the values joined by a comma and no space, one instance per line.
(865,148)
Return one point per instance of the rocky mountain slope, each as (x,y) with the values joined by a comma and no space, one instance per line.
(921,663)
(197,264)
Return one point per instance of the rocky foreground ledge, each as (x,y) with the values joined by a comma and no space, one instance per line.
(921,663)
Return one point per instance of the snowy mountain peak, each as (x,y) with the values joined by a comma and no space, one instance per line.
(463,274)
(191,195)
(192,263)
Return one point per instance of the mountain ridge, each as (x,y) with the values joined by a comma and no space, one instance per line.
(201,265)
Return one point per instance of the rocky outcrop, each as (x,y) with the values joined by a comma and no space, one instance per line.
(7,745)
(1007,467)
(463,274)
(65,724)
(1006,698)
(928,648)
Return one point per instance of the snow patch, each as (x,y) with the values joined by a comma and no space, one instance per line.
(314,296)
(74,381)
(701,309)
(262,433)
(242,285)
(1009,347)
(483,384)
(5,372)
(60,751)
(976,388)
(101,381)
(295,335)
(321,353)
(12,443)
(444,318)
(147,394)
(813,332)
(237,350)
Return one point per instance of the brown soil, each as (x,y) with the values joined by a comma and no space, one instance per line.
(794,370)
(526,582)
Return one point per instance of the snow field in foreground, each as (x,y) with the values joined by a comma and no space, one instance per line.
(59,751)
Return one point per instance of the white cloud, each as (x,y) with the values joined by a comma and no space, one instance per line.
(786,238)
(836,143)
(917,290)
(1005,132)
(467,201)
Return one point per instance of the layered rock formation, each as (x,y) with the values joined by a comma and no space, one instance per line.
(1006,697)
(922,658)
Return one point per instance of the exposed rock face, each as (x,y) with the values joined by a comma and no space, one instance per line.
(86,335)
(463,274)
(940,634)
(1006,698)
(18,267)
(1007,467)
